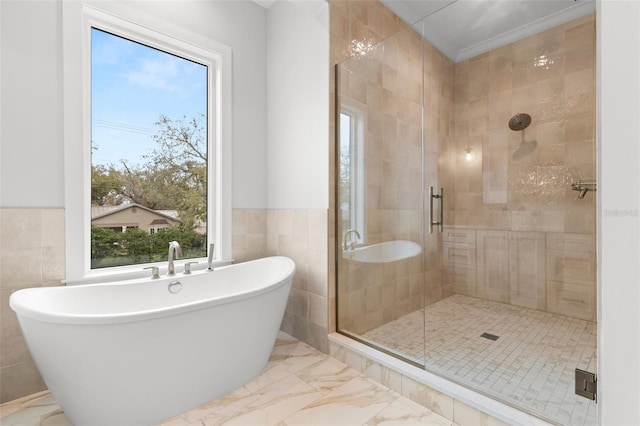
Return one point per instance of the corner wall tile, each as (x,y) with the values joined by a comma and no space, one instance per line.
(24,379)
(32,246)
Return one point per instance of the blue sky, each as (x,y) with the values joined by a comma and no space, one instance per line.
(132,85)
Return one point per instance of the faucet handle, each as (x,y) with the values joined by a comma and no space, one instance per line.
(187,267)
(155,272)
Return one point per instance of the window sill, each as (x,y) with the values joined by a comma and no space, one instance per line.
(114,275)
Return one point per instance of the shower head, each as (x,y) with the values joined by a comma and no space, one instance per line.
(520,121)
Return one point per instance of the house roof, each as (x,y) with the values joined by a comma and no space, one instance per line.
(98,212)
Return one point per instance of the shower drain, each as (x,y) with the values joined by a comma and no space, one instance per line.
(489,336)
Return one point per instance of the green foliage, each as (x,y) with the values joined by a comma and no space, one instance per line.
(110,248)
(135,244)
(104,243)
(172,177)
(106,186)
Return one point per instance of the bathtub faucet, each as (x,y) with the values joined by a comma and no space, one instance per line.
(174,253)
(346,239)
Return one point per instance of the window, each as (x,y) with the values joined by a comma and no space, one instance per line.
(147,142)
(352,170)
(149,125)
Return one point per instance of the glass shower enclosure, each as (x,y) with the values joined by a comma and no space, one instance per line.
(464,245)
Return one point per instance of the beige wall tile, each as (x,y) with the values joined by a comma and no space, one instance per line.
(573,300)
(24,379)
(53,228)
(31,255)
(302,236)
(527,269)
(493,265)
(20,229)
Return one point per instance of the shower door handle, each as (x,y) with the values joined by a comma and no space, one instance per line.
(440,212)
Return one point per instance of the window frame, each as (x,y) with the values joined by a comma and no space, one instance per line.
(78,19)
(357,195)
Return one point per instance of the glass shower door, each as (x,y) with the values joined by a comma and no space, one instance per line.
(501,296)
(380,225)
(510,136)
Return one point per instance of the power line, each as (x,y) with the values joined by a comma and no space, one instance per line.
(124,127)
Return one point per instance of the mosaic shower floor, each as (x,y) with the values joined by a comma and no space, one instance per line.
(299,386)
(530,365)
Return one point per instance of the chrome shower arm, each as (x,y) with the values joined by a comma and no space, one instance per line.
(583,186)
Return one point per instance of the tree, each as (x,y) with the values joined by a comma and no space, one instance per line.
(181,161)
(136,244)
(105,243)
(106,183)
(174,175)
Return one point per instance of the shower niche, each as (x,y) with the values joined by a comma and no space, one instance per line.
(500,294)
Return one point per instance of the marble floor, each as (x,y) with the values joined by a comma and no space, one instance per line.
(300,386)
(531,364)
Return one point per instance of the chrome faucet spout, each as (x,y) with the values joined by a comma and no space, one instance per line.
(346,239)
(175,252)
(583,192)
(210,260)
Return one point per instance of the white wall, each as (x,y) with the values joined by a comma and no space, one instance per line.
(298,104)
(31,160)
(619,218)
(32,171)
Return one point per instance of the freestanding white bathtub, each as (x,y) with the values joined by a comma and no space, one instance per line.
(134,353)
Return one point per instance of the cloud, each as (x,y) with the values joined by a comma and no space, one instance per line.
(156,73)
(108,49)
(140,66)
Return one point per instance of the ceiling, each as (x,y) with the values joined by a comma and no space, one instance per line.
(264,3)
(462,29)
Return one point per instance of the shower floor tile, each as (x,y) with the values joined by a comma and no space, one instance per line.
(530,365)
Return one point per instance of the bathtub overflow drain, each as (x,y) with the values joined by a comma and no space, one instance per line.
(175,287)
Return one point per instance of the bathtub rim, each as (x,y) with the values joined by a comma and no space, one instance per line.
(20,302)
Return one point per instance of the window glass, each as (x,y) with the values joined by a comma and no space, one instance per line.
(351,171)
(149,152)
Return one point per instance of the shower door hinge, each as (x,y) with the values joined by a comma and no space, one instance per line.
(586,384)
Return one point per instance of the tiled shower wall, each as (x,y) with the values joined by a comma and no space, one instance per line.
(32,254)
(521,180)
(516,231)
(519,234)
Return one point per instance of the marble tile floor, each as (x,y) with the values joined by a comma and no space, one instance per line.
(299,386)
(531,365)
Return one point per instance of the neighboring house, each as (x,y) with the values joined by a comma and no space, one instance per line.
(119,218)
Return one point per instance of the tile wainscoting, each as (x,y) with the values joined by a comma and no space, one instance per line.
(547,271)
(32,242)
(32,254)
